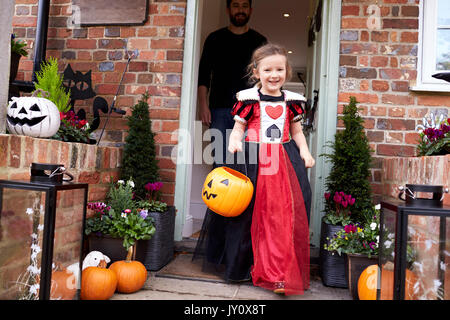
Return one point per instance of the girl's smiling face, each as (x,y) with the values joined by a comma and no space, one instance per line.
(271,72)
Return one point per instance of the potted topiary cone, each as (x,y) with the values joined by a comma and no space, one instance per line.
(139,164)
(351,159)
(131,274)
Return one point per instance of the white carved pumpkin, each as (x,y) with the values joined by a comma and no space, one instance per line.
(32,116)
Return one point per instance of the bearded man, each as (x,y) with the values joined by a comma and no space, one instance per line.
(223,71)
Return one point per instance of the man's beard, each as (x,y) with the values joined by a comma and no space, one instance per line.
(239,20)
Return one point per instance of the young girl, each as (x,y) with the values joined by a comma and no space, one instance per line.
(282,198)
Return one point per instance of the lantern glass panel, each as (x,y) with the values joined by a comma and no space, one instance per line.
(67,243)
(427,258)
(21,237)
(387,254)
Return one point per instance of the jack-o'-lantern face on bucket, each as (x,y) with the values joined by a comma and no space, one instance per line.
(32,116)
(227,191)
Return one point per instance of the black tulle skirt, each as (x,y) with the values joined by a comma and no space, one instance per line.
(225,244)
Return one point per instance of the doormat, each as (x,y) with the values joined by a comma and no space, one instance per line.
(183,267)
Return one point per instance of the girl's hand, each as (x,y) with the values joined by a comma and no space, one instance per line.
(307,157)
(235,145)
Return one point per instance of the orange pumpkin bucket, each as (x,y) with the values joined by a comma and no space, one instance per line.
(227,192)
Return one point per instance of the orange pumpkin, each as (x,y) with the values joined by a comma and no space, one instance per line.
(131,275)
(368,280)
(63,285)
(98,283)
(367,283)
(227,192)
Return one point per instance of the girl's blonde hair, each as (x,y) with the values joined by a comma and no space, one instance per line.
(265,51)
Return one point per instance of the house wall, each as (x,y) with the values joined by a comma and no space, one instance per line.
(378,66)
(102,49)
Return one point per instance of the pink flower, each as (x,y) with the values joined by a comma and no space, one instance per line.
(350,228)
(327,195)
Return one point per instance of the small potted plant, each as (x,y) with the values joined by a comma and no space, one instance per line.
(17,51)
(358,243)
(434,136)
(118,224)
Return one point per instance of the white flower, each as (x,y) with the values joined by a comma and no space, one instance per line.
(34,236)
(378,207)
(120,182)
(33,269)
(378,239)
(40,227)
(34,288)
(437,283)
(373,226)
(130,183)
(387,244)
(30,211)
(124,215)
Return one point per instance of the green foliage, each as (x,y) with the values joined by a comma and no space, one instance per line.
(351,159)
(139,157)
(72,129)
(121,218)
(18,46)
(49,80)
(357,238)
(152,205)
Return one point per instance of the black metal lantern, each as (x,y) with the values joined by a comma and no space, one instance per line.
(41,235)
(414,253)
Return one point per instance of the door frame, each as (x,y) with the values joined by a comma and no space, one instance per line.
(326,115)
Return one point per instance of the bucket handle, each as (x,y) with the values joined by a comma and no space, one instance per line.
(407,192)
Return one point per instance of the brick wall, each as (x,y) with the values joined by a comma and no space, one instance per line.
(378,66)
(102,49)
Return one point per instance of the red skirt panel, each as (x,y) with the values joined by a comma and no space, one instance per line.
(280,232)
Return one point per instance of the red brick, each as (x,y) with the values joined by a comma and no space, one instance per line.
(412,138)
(24,21)
(81,43)
(395,150)
(345,60)
(168,21)
(4,143)
(410,11)
(380,36)
(89,177)
(397,99)
(400,86)
(378,85)
(350,11)
(378,111)
(354,23)
(167,44)
(138,66)
(411,37)
(166,66)
(400,23)
(360,97)
(379,61)
(396,112)
(434,100)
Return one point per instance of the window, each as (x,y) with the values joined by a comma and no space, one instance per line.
(434,45)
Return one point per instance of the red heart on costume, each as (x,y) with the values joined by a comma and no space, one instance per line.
(274,112)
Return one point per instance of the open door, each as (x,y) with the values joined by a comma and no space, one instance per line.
(315,68)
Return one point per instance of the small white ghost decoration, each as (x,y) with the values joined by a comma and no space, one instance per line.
(32,116)
(93,259)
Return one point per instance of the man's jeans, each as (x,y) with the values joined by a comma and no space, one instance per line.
(222,120)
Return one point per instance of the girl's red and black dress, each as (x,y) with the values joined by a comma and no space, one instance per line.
(269,241)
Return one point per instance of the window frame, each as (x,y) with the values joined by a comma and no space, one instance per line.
(426,54)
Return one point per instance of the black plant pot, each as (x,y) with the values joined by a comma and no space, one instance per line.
(14,66)
(159,250)
(332,266)
(355,265)
(109,246)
